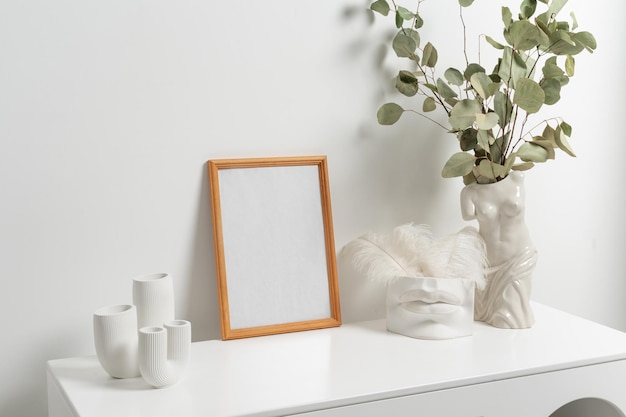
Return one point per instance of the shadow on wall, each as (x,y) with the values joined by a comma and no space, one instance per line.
(202,300)
(394,176)
(396,169)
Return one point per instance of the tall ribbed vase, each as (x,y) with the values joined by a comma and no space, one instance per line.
(115,337)
(164,352)
(153,295)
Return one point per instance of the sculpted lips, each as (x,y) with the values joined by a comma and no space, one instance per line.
(430,302)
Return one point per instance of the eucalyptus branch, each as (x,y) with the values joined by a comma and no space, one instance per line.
(429,118)
(545,121)
(464,35)
(516,97)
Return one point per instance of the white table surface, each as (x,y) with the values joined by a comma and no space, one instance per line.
(351,364)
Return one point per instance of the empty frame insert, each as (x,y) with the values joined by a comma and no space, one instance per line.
(274,245)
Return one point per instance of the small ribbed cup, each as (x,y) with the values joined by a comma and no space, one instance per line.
(115,337)
(164,352)
(153,295)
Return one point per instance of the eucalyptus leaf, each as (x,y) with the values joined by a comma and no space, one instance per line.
(561,43)
(430,55)
(570,63)
(405,13)
(552,90)
(532,152)
(566,128)
(545,144)
(399,20)
(469,179)
(544,27)
(380,6)
(513,67)
(454,76)
(403,45)
(529,95)
(508,164)
(466,3)
(587,40)
(525,166)
(459,164)
(491,170)
(507,17)
(468,139)
(444,89)
(493,43)
(552,70)
(484,139)
(527,8)
(413,34)
(463,114)
(523,35)
(419,22)
(574,21)
(431,87)
(389,113)
(486,121)
(483,85)
(471,70)
(555,6)
(549,134)
(563,143)
(503,108)
(451,101)
(429,104)
(496,149)
(406,83)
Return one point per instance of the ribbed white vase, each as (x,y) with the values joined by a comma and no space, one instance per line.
(164,352)
(153,295)
(115,337)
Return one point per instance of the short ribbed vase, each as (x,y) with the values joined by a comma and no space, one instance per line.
(115,337)
(153,295)
(164,352)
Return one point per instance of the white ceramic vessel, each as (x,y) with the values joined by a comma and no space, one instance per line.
(164,352)
(430,308)
(153,295)
(115,337)
(499,210)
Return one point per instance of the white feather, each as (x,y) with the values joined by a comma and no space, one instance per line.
(463,255)
(383,257)
(410,250)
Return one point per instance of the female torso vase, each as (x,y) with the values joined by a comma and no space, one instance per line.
(499,210)
(154,297)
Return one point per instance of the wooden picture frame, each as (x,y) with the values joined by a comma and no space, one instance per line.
(274,245)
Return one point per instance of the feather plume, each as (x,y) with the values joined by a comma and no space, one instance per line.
(410,250)
(383,257)
(461,255)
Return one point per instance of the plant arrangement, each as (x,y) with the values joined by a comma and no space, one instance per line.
(490,111)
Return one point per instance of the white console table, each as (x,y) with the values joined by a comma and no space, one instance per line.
(361,370)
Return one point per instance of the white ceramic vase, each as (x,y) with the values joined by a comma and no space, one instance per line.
(499,210)
(115,337)
(153,295)
(164,352)
(430,308)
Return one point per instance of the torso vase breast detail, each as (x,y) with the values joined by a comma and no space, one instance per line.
(499,210)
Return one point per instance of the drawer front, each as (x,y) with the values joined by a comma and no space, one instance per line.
(531,396)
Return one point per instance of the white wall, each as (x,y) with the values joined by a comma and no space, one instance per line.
(110,110)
